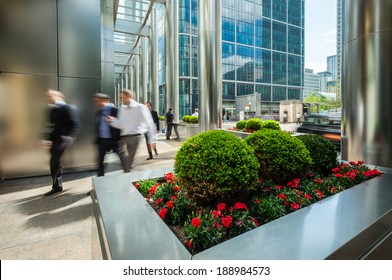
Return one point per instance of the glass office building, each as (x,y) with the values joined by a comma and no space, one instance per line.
(262,53)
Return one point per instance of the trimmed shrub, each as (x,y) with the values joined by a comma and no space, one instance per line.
(253,124)
(240,125)
(322,152)
(185,118)
(216,166)
(281,156)
(270,124)
(194,119)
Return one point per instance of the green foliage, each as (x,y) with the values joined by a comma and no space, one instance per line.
(186,118)
(270,124)
(143,186)
(216,165)
(322,152)
(254,124)
(267,209)
(161,118)
(281,156)
(240,125)
(194,119)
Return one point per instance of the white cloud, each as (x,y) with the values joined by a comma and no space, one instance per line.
(330,36)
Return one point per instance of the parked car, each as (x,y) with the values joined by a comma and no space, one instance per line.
(328,126)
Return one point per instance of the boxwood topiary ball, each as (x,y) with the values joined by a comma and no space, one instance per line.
(281,156)
(322,152)
(270,124)
(216,166)
(254,124)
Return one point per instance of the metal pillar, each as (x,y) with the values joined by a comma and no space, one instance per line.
(144,65)
(366,82)
(154,90)
(137,78)
(210,56)
(171,32)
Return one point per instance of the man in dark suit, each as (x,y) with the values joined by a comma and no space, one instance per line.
(107,137)
(64,125)
(153,145)
(169,123)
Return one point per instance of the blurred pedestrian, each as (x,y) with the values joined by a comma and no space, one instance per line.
(134,120)
(64,122)
(298,118)
(169,123)
(107,137)
(153,145)
(196,113)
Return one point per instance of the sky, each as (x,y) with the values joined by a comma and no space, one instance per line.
(320,33)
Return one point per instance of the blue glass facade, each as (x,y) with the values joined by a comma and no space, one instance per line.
(262,51)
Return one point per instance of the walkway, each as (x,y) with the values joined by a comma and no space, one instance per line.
(34,227)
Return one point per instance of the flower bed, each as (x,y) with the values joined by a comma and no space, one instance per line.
(201,227)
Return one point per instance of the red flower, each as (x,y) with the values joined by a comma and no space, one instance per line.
(360,162)
(310,175)
(255,222)
(189,243)
(196,222)
(216,214)
(174,197)
(260,182)
(226,221)
(169,177)
(319,194)
(308,196)
(257,201)
(266,189)
(216,225)
(319,181)
(240,206)
(221,206)
(159,200)
(295,206)
(338,175)
(289,184)
(162,213)
(282,196)
(170,204)
(176,188)
(137,185)
(278,187)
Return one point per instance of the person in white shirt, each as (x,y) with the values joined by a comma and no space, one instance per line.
(134,120)
(196,113)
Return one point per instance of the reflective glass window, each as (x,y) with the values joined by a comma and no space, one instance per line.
(279,36)
(278,93)
(228,90)
(194,15)
(245,28)
(244,89)
(184,55)
(267,8)
(184,96)
(295,14)
(279,68)
(263,33)
(294,40)
(228,25)
(245,63)
(265,92)
(228,61)
(294,93)
(294,70)
(262,66)
(279,10)
(183,16)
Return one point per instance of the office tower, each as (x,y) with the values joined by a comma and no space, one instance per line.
(339,46)
(311,82)
(331,66)
(262,54)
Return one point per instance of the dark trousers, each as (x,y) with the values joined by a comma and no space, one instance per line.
(105,145)
(56,151)
(169,127)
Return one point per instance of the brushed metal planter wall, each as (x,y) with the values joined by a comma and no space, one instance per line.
(46,44)
(366,82)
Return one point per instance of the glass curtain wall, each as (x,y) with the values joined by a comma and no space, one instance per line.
(262,52)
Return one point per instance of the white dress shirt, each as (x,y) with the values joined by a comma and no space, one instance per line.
(135,119)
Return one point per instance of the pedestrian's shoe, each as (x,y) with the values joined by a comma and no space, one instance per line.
(149,158)
(53,191)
